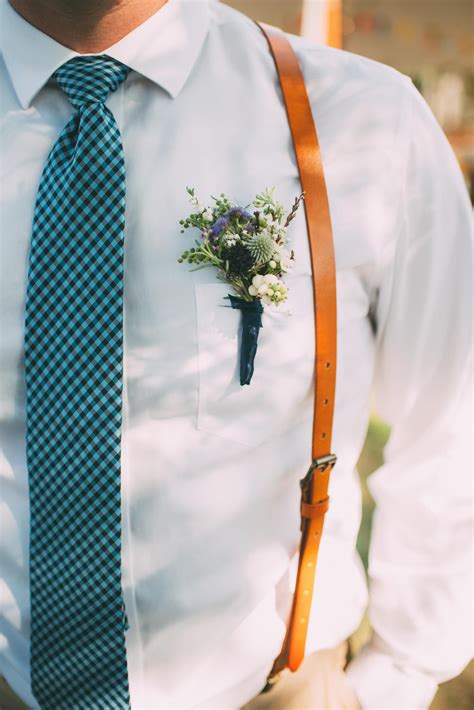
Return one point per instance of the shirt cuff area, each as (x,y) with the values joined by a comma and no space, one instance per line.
(380,684)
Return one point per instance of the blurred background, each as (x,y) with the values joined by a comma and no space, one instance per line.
(433,42)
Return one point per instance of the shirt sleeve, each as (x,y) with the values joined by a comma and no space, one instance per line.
(420,561)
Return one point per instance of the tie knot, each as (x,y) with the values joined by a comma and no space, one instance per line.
(90,79)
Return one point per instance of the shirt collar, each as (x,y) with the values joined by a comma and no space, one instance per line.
(164,48)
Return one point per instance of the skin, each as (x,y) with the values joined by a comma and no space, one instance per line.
(86,26)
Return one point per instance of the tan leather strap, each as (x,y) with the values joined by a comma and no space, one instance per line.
(314,486)
(314,510)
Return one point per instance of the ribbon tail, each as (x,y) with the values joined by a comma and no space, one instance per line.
(251,324)
(248,348)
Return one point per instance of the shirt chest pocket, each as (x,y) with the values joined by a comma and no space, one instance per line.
(281,387)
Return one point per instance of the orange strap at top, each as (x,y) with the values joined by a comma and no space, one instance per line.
(314,486)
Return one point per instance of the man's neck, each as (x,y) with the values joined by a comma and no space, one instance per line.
(86,26)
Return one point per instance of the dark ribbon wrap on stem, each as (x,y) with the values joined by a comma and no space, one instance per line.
(251,324)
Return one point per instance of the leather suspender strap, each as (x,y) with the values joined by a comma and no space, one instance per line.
(314,486)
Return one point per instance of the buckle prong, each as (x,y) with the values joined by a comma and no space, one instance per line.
(320,463)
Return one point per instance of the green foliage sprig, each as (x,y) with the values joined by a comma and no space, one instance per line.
(248,245)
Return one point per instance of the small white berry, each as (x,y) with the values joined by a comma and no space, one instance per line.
(257,280)
(271,279)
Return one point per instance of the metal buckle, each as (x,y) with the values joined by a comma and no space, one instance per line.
(321,463)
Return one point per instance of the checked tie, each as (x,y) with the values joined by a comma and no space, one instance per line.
(73,368)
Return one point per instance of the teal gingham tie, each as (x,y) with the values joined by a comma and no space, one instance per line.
(73,369)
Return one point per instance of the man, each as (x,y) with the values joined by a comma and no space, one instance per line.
(209,470)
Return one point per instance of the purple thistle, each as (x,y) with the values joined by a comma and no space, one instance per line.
(222,222)
(239,212)
(218,227)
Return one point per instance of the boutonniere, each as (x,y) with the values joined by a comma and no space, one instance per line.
(249,248)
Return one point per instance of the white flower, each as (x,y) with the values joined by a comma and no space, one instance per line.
(281,253)
(208,215)
(231,239)
(201,207)
(262,289)
(272,264)
(279,231)
(253,291)
(283,257)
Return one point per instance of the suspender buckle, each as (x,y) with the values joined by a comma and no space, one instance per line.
(321,463)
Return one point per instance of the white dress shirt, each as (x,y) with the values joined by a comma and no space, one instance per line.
(211,469)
